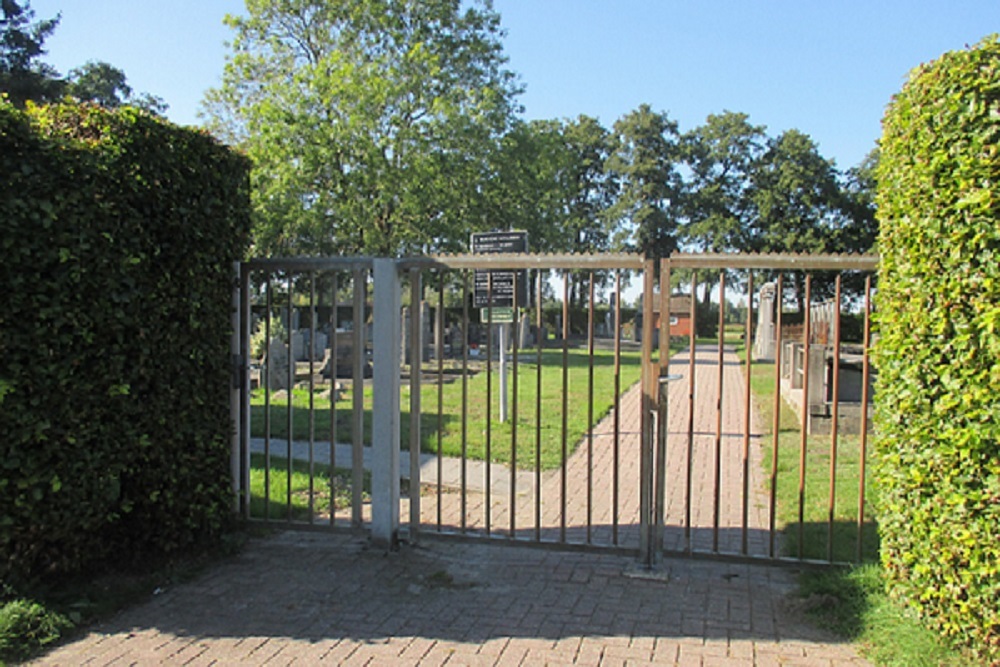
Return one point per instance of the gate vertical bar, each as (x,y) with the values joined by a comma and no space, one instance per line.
(288,412)
(266,381)
(312,401)
(835,422)
(440,394)
(538,409)
(663,398)
(358,398)
(332,367)
(488,463)
(776,422)
(804,441)
(717,479)
(647,405)
(565,407)
(416,367)
(385,409)
(689,473)
(747,401)
(863,444)
(590,410)
(513,413)
(465,397)
(616,455)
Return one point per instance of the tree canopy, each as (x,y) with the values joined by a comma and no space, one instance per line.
(364,119)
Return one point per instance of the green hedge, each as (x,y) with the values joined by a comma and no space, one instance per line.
(117,237)
(938,302)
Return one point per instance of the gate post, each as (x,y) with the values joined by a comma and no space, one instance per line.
(647,546)
(386,341)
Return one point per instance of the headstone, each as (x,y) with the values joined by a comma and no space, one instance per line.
(763,348)
(277,365)
(426,334)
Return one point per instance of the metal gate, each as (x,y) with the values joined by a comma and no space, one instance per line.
(376,395)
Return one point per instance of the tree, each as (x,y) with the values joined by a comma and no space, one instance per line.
(643,165)
(718,205)
(106,85)
(22,76)
(798,203)
(371,122)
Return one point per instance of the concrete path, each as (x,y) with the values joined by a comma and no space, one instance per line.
(310,598)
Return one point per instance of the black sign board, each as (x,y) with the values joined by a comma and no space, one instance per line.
(495,289)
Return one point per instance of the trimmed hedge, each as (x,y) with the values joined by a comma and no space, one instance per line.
(938,303)
(117,237)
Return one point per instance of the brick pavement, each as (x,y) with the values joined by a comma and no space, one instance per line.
(308,598)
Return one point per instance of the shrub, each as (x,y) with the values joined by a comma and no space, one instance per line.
(117,237)
(938,357)
(26,626)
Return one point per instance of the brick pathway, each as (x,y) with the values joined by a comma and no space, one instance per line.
(307,598)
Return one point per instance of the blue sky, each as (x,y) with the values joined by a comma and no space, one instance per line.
(825,68)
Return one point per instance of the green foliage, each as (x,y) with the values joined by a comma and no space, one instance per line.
(117,233)
(26,626)
(369,123)
(938,315)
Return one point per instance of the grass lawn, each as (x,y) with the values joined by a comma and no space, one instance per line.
(449,425)
(281,500)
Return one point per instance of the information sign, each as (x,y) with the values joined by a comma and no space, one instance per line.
(496,288)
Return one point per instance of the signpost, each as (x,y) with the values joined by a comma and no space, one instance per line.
(494,293)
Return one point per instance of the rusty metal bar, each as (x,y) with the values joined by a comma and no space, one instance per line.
(312,400)
(747,406)
(487,468)
(776,421)
(863,445)
(717,480)
(778,261)
(538,411)
(834,422)
(630,261)
(565,407)
(465,397)
(513,415)
(416,368)
(266,382)
(646,405)
(440,393)
(804,442)
(358,398)
(617,407)
(662,398)
(590,410)
(333,402)
(542,261)
(291,392)
(690,436)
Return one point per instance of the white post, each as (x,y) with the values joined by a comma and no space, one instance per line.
(504,335)
(386,343)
